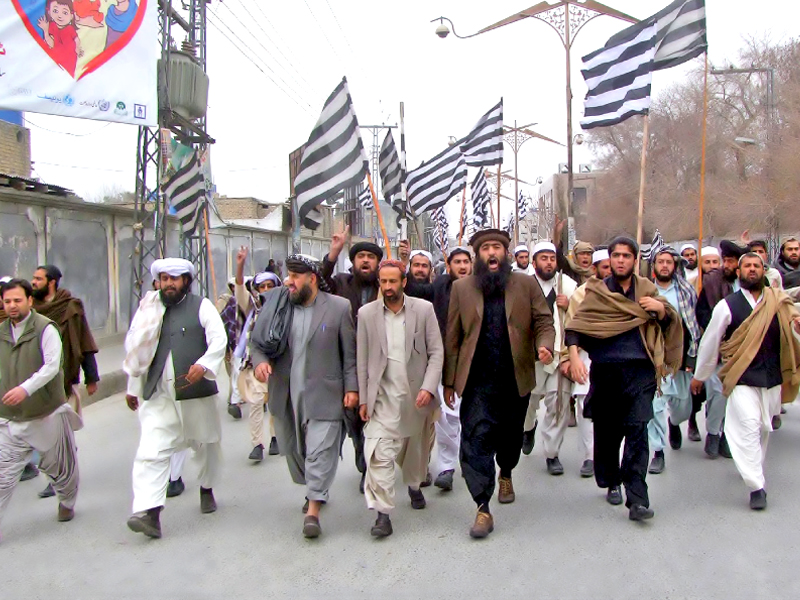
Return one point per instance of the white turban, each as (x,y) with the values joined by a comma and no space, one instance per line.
(687,247)
(172,267)
(599,255)
(709,251)
(520,248)
(544,247)
(424,253)
(266,276)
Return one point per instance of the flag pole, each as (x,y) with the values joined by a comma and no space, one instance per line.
(702,177)
(640,221)
(403,189)
(380,217)
(491,211)
(498,196)
(461,217)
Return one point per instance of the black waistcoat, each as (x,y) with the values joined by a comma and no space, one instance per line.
(765,370)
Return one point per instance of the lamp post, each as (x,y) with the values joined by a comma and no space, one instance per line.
(566,18)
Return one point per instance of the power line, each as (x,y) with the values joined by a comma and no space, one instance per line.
(36,163)
(248,57)
(277,47)
(247,29)
(321,29)
(344,35)
(27,122)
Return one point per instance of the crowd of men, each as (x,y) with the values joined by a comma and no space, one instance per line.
(402,361)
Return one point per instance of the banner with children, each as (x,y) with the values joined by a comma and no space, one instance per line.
(91,59)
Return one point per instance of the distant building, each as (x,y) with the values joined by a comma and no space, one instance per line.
(15,148)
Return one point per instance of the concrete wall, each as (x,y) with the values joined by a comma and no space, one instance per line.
(92,244)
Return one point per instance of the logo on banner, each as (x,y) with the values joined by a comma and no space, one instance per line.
(121,110)
(76,35)
(140,111)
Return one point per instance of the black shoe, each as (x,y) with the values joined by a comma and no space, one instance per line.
(175,488)
(382,527)
(614,495)
(257,454)
(758,499)
(235,411)
(444,481)
(528,441)
(657,464)
(361,484)
(428,481)
(693,433)
(273,447)
(311,527)
(554,466)
(47,492)
(776,422)
(712,445)
(146,522)
(30,471)
(675,436)
(417,499)
(637,512)
(724,449)
(783,410)
(207,502)
(587,469)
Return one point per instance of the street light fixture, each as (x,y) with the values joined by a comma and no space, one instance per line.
(566,18)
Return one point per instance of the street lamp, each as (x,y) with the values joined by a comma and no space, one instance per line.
(566,18)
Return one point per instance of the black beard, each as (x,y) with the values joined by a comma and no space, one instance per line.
(792,263)
(664,278)
(751,286)
(545,276)
(39,294)
(421,279)
(691,265)
(301,296)
(622,277)
(180,295)
(492,282)
(729,277)
(365,280)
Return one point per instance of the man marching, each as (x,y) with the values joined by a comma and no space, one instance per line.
(175,348)
(756,330)
(400,356)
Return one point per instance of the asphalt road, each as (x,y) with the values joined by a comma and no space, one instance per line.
(560,539)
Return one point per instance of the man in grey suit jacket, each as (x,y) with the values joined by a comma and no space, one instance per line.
(311,383)
(400,357)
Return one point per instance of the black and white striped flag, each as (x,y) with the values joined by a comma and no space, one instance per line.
(510,225)
(365,197)
(480,201)
(440,233)
(462,220)
(434,182)
(619,74)
(647,252)
(333,157)
(186,193)
(390,168)
(484,144)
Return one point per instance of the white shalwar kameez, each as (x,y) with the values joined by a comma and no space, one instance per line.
(169,426)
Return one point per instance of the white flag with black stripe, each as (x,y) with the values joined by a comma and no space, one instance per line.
(440,233)
(333,158)
(434,182)
(186,193)
(389,167)
(619,75)
(480,200)
(365,197)
(647,252)
(484,144)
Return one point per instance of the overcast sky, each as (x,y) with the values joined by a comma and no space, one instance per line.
(389,53)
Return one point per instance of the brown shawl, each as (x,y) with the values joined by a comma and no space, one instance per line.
(67,311)
(740,350)
(604,314)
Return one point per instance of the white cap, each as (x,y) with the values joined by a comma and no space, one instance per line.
(172,267)
(687,247)
(544,247)
(520,248)
(599,255)
(709,251)
(5,279)
(424,253)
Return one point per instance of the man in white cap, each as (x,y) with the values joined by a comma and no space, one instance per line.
(420,269)
(522,260)
(709,259)
(175,347)
(557,289)
(689,254)
(601,266)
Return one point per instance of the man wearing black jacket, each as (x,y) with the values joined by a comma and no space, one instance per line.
(360,287)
